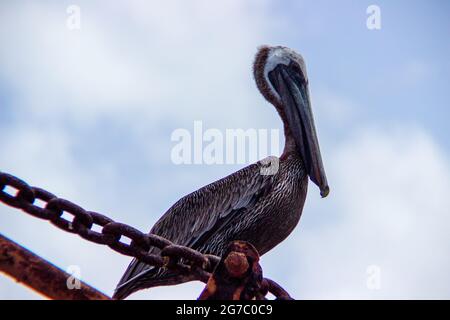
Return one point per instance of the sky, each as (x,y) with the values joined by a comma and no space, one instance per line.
(88,113)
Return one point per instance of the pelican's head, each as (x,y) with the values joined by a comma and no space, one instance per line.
(280,75)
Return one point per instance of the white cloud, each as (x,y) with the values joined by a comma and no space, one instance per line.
(137,68)
(388,207)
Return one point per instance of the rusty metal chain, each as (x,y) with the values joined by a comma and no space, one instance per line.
(111,231)
(178,258)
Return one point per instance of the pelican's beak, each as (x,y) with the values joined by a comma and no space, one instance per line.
(292,87)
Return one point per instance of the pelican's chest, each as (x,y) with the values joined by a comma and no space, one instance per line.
(281,208)
(290,187)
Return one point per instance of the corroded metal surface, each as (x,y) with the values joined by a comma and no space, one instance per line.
(239,277)
(43,277)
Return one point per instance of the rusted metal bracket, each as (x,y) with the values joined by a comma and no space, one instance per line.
(40,275)
(239,276)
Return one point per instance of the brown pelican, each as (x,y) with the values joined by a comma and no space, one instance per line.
(250,204)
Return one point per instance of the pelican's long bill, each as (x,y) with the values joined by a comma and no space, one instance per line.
(292,87)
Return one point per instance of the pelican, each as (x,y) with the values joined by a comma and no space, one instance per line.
(250,204)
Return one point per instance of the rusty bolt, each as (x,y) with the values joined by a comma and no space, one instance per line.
(236,264)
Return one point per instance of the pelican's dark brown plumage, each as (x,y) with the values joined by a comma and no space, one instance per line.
(257,203)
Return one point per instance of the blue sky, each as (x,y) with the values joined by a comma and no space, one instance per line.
(88,115)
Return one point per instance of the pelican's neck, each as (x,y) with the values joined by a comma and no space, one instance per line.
(289,142)
(259,71)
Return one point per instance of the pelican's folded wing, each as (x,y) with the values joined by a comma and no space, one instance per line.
(191,218)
